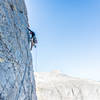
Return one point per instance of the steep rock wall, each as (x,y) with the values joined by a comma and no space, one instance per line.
(16,70)
(57,86)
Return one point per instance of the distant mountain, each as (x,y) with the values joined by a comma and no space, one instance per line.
(57,86)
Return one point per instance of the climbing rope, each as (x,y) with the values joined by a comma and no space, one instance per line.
(35,59)
(35,48)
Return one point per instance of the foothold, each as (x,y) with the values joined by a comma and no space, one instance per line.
(1,98)
(12,7)
(21,11)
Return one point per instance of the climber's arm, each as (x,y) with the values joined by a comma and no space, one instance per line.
(31,32)
(29,29)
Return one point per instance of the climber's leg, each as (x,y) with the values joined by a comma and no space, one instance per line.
(32,44)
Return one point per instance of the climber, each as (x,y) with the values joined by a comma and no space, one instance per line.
(33,38)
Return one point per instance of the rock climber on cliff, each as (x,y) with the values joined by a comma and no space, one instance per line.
(33,38)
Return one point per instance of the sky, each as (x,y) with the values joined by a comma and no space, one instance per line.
(68,33)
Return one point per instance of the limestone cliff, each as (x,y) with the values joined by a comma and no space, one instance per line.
(57,86)
(16,70)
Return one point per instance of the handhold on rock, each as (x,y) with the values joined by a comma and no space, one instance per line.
(1,60)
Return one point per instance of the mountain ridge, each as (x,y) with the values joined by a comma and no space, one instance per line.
(58,86)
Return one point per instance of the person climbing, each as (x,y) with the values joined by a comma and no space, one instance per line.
(33,38)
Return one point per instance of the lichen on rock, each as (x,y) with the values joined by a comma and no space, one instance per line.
(16,70)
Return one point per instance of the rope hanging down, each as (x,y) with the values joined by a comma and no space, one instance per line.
(35,59)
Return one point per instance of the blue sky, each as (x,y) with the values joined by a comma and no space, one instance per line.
(68,33)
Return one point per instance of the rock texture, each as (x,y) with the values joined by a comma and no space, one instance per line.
(16,70)
(57,86)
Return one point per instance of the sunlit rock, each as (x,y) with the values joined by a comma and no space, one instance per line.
(16,70)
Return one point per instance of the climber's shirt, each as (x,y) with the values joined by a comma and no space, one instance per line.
(32,33)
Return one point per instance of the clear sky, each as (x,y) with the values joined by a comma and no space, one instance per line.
(68,33)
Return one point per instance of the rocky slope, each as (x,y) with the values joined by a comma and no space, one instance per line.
(57,86)
(16,70)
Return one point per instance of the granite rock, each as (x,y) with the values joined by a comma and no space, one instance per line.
(16,70)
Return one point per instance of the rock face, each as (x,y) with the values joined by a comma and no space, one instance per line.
(56,86)
(16,70)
